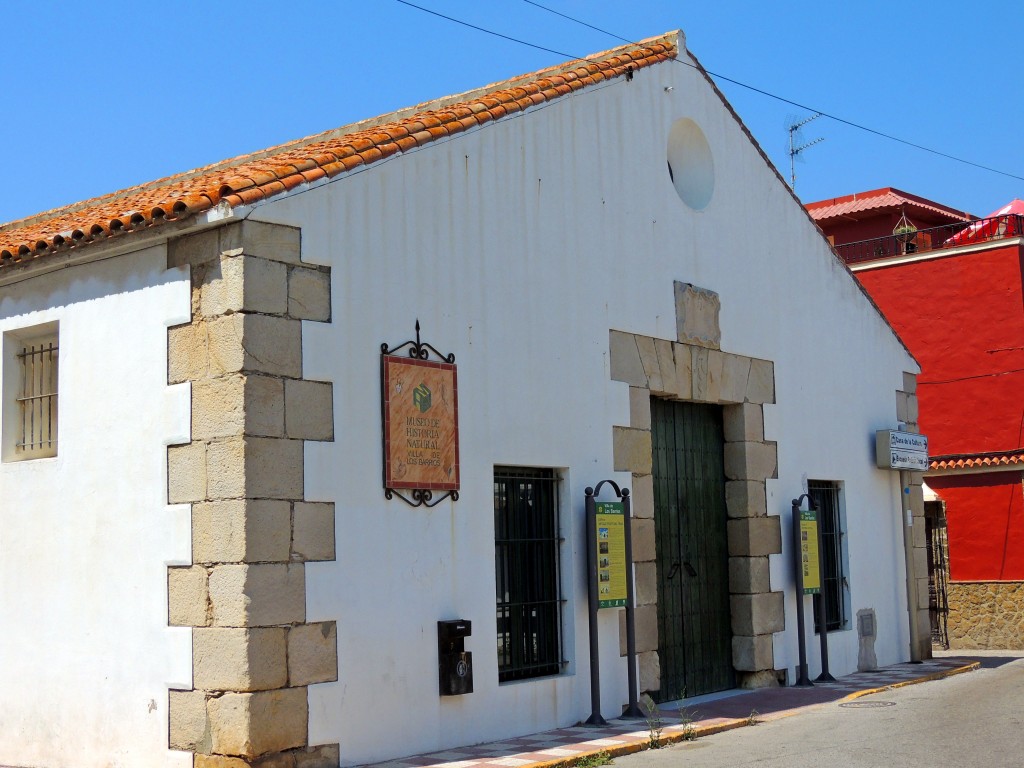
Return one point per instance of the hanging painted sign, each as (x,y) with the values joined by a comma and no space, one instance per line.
(611,554)
(809,552)
(421,429)
(901,450)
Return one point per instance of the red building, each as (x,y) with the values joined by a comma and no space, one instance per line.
(951,286)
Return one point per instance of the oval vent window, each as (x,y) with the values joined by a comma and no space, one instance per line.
(690,165)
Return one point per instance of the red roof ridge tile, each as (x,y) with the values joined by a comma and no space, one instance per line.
(978,460)
(255,176)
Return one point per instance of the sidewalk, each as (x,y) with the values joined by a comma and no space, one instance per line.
(688,719)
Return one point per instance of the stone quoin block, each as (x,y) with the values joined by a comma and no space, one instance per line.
(646,583)
(243,283)
(309,294)
(639,408)
(751,461)
(236,659)
(745,498)
(910,383)
(754,536)
(313,531)
(267,241)
(644,540)
(749,575)
(646,617)
(750,654)
(758,614)
(309,409)
(188,353)
(197,248)
(642,496)
(649,360)
(735,373)
(242,530)
(761,382)
(631,450)
(313,653)
(258,594)
(188,721)
(255,467)
(255,344)
(186,473)
(683,355)
(743,423)
(218,407)
(649,668)
(253,724)
(188,603)
(667,369)
(264,406)
(624,359)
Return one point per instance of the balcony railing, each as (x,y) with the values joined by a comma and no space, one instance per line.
(934,238)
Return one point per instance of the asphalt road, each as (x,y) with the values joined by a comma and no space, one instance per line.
(972,720)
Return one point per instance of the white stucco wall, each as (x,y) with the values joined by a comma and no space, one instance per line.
(86,537)
(518,246)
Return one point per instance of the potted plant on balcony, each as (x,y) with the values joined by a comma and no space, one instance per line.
(905,232)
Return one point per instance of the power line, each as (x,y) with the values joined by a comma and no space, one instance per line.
(762,92)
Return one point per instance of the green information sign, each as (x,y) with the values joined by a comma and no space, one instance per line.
(611,554)
(809,552)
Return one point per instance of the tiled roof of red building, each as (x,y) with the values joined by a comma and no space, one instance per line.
(879,199)
(978,460)
(250,178)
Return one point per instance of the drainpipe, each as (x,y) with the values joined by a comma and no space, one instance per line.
(908,554)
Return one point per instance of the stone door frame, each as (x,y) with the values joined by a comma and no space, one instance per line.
(693,368)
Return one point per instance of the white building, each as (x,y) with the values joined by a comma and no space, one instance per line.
(196,551)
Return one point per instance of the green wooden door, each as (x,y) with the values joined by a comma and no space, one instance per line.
(694,633)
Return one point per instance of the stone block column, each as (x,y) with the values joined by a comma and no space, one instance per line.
(253,652)
(907,412)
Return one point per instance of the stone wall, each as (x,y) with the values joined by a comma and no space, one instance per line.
(985,614)
(254,654)
(907,412)
(693,368)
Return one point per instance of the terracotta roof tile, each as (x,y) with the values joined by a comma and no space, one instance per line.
(254,177)
(878,199)
(978,460)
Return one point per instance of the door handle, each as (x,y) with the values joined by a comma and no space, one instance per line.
(672,571)
(690,569)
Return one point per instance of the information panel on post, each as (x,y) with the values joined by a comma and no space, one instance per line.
(809,552)
(611,554)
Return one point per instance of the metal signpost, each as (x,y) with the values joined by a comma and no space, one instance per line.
(610,585)
(808,578)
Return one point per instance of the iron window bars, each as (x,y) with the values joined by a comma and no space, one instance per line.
(37,402)
(526,561)
(826,498)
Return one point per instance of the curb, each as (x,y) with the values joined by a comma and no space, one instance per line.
(925,679)
(696,731)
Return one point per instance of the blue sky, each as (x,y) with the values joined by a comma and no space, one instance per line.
(105,95)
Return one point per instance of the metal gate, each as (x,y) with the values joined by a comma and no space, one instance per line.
(694,632)
(938,571)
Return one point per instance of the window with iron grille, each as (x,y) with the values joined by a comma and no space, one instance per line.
(833,557)
(526,555)
(30,362)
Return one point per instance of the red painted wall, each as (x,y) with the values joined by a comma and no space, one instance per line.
(985,515)
(963,319)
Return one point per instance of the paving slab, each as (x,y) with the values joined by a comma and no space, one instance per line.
(678,721)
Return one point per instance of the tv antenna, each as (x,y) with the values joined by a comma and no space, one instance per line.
(794,150)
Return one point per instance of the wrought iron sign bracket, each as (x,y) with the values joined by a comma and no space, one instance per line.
(421,351)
